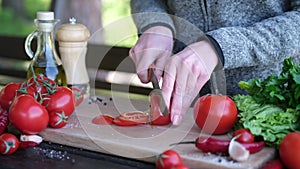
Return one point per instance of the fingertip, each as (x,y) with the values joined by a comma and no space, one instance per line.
(176,119)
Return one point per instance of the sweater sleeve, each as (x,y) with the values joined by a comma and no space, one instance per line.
(262,43)
(149,13)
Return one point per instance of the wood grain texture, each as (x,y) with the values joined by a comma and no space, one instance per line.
(142,142)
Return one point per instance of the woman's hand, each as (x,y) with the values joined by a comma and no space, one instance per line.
(153,48)
(184,76)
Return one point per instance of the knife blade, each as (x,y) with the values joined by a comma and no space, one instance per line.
(156,90)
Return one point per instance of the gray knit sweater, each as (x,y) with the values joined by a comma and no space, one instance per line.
(255,36)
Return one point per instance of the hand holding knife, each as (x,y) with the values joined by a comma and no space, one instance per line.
(156,90)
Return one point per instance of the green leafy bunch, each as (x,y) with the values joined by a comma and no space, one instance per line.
(271,108)
(282,90)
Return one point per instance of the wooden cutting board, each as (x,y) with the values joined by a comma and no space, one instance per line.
(142,142)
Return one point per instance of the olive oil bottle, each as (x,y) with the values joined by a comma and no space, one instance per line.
(45,60)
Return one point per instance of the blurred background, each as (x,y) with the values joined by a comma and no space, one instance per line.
(16,17)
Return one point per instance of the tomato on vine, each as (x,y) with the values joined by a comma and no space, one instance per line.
(28,115)
(78,95)
(62,100)
(8,93)
(58,119)
(42,84)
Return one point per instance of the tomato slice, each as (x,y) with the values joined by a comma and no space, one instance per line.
(131,118)
(135,116)
(119,122)
(156,115)
(103,119)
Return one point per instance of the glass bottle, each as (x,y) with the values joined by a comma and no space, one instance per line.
(45,59)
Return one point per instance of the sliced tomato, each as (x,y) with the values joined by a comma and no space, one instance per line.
(135,116)
(156,115)
(131,118)
(118,122)
(103,119)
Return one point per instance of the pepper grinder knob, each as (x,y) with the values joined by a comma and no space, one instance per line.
(72,39)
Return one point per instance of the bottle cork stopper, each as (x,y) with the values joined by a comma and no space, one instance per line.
(45,16)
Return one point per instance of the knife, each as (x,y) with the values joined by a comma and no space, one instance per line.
(156,90)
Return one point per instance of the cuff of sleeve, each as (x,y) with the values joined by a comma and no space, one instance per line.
(219,52)
(157,24)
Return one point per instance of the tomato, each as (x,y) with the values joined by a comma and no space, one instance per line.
(118,122)
(273,164)
(57,119)
(215,114)
(156,115)
(9,143)
(7,94)
(3,119)
(131,118)
(30,90)
(168,159)
(289,150)
(62,100)
(42,84)
(27,115)
(103,119)
(180,166)
(78,95)
(245,136)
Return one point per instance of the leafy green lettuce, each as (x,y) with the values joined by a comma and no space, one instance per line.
(266,120)
(272,107)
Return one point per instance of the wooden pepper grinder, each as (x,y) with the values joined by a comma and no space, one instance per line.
(72,39)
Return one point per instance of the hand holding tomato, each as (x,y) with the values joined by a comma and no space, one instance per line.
(215,114)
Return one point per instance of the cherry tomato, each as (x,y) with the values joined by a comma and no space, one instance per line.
(57,119)
(27,115)
(168,159)
(156,115)
(131,118)
(273,164)
(245,136)
(30,90)
(180,166)
(9,143)
(42,84)
(78,95)
(3,119)
(62,100)
(7,94)
(289,150)
(215,114)
(103,119)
